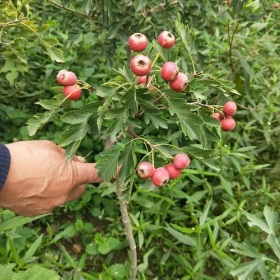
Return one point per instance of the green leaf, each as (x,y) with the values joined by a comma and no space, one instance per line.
(37,272)
(6,271)
(255,221)
(40,119)
(72,148)
(120,271)
(37,121)
(274,244)
(18,221)
(108,162)
(245,64)
(144,265)
(81,115)
(128,160)
(182,238)
(246,249)
(55,54)
(226,185)
(187,36)
(152,113)
(190,122)
(204,215)
(237,6)
(246,270)
(271,218)
(29,254)
(76,132)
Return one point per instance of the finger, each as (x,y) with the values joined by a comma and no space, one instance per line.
(85,173)
(79,158)
(76,193)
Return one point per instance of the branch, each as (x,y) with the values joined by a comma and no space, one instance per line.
(125,216)
(128,232)
(12,22)
(69,9)
(230,41)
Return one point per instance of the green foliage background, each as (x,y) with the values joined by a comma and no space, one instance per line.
(206,225)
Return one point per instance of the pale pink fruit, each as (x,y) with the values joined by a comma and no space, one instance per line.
(180,82)
(137,42)
(145,170)
(142,80)
(229,108)
(66,78)
(160,177)
(172,171)
(60,76)
(140,65)
(166,39)
(228,124)
(169,71)
(72,92)
(181,161)
(218,116)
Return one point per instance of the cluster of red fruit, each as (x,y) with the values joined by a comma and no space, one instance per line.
(69,80)
(141,65)
(226,120)
(160,176)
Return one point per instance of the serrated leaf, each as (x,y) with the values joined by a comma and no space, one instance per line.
(190,122)
(108,162)
(72,149)
(81,115)
(47,104)
(55,54)
(37,121)
(128,161)
(76,132)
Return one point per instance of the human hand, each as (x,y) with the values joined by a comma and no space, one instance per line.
(41,178)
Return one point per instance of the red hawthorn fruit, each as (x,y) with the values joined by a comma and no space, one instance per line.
(169,71)
(60,76)
(142,80)
(179,83)
(218,116)
(145,170)
(72,92)
(166,39)
(229,108)
(172,171)
(137,42)
(228,124)
(160,177)
(66,78)
(181,161)
(140,65)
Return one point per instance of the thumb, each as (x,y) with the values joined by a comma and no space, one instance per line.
(85,173)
